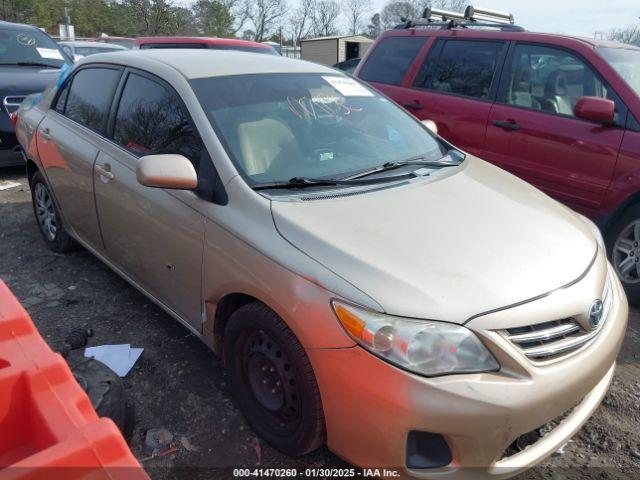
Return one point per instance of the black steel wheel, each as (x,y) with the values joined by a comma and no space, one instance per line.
(273,381)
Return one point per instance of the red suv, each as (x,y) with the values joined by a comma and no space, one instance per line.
(560,112)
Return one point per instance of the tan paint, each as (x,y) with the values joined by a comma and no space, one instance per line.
(472,245)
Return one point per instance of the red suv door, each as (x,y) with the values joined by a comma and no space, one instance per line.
(533,132)
(455,86)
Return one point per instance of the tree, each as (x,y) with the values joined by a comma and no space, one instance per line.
(239,13)
(153,17)
(375,28)
(264,15)
(324,18)
(212,18)
(629,34)
(356,11)
(394,11)
(300,20)
(451,5)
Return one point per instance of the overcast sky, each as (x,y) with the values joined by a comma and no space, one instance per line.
(577,17)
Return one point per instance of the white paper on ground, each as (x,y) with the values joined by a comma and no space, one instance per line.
(347,86)
(7,184)
(119,358)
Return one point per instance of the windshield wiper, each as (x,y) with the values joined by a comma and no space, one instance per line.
(303,182)
(33,64)
(419,160)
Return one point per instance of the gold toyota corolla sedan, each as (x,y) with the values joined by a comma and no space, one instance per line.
(367,284)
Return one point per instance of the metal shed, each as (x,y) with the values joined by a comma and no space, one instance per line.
(331,50)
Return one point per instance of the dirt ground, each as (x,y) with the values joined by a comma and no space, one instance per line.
(179,385)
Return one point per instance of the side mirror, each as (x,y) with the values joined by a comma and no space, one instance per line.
(595,109)
(431,125)
(166,171)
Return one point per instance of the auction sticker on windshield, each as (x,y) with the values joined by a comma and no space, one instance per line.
(50,53)
(348,86)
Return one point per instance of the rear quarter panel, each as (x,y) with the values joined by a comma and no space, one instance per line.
(30,114)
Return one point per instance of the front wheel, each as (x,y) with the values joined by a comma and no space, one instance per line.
(272,380)
(623,247)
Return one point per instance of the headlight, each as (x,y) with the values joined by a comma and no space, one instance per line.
(595,230)
(421,346)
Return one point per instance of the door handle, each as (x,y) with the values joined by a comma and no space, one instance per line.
(508,125)
(413,105)
(104,171)
(45,133)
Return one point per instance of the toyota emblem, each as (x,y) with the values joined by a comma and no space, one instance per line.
(595,314)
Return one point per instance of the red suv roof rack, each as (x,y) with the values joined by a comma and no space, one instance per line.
(472,17)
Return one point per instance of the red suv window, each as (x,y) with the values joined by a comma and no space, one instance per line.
(389,62)
(461,67)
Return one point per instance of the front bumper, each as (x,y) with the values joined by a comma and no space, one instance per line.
(371,406)
(10,150)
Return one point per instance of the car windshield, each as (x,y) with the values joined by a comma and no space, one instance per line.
(279,126)
(24,47)
(626,62)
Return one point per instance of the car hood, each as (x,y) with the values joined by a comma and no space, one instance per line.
(466,242)
(25,80)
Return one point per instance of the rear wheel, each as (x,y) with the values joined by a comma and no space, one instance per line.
(48,217)
(623,246)
(273,381)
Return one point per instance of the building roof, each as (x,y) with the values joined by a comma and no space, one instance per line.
(361,38)
(199,63)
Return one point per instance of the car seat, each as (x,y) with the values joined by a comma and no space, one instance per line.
(261,142)
(555,94)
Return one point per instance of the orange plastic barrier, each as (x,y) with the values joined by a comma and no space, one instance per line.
(48,427)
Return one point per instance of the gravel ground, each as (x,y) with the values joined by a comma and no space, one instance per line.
(179,385)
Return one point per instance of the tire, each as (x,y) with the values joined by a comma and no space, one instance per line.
(623,236)
(48,217)
(260,351)
(105,391)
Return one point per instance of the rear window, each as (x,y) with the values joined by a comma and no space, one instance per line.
(29,47)
(390,60)
(90,96)
(460,67)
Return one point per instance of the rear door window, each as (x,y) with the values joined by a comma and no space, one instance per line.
(90,95)
(461,67)
(151,119)
(391,59)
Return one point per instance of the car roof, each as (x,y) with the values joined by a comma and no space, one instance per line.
(199,63)
(201,40)
(496,34)
(84,43)
(18,26)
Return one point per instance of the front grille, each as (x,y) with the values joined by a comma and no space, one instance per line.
(12,102)
(549,340)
